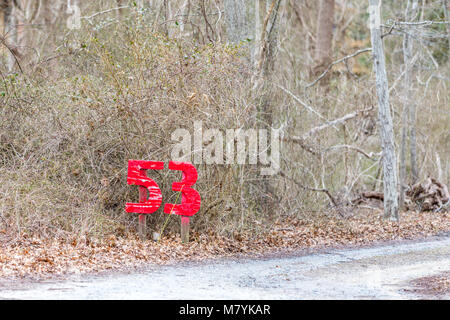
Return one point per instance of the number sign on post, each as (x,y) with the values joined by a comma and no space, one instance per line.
(190,198)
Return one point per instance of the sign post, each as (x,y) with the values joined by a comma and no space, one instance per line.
(142,226)
(184,229)
(150,196)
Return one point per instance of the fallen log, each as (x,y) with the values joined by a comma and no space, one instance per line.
(429,195)
(373,195)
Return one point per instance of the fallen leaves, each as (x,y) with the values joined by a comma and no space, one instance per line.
(37,257)
(436,285)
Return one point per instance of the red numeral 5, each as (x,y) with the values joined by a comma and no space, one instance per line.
(190,198)
(137,176)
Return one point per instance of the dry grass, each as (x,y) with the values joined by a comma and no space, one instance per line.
(66,143)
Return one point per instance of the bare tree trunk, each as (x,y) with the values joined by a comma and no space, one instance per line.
(413,144)
(186,8)
(408,103)
(48,16)
(390,183)
(269,38)
(260,14)
(257,21)
(238,22)
(11,39)
(269,11)
(167,17)
(412,124)
(444,7)
(242,23)
(324,36)
(120,12)
(26,35)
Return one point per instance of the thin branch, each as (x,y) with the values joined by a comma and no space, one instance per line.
(301,102)
(13,50)
(207,24)
(326,191)
(420,23)
(389,31)
(102,12)
(367,155)
(332,123)
(302,143)
(336,62)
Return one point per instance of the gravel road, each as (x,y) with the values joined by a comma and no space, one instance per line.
(380,272)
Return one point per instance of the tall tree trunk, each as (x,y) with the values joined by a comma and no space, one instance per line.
(446,17)
(324,36)
(10,28)
(268,41)
(167,16)
(186,8)
(411,11)
(390,183)
(269,37)
(257,22)
(412,123)
(237,22)
(120,12)
(48,16)
(241,23)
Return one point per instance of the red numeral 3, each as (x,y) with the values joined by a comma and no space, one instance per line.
(190,198)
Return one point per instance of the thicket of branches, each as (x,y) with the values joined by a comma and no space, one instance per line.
(77,103)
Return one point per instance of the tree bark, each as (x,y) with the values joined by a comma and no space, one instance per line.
(10,31)
(120,12)
(237,28)
(268,10)
(167,17)
(324,36)
(390,183)
(241,23)
(408,103)
(412,123)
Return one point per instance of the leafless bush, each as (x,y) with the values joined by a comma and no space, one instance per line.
(117,88)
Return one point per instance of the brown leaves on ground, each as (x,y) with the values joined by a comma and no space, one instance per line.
(433,286)
(36,257)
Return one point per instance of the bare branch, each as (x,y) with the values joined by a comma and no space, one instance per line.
(332,123)
(326,191)
(301,102)
(302,143)
(103,12)
(367,155)
(420,23)
(336,62)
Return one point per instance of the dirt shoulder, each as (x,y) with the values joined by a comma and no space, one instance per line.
(381,271)
(431,287)
(38,258)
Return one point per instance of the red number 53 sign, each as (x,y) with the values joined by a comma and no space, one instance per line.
(190,198)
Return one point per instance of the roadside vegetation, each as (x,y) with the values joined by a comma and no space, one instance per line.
(79,103)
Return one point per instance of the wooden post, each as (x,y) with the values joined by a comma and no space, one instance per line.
(142,226)
(184,229)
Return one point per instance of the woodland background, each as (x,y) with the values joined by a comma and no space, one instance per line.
(77,103)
